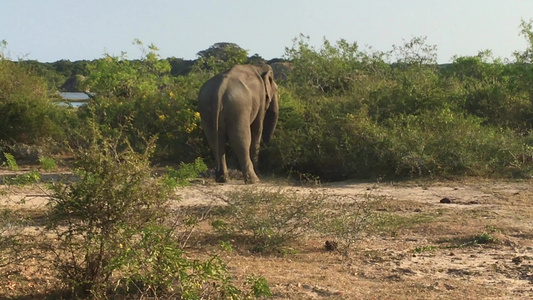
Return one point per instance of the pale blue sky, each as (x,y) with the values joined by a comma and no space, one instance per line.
(59,29)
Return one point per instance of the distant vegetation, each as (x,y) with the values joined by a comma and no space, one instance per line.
(346,112)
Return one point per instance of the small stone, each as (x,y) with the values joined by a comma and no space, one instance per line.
(445,200)
(449,287)
(517,260)
(331,245)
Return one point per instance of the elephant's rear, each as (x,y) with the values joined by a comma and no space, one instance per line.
(209,104)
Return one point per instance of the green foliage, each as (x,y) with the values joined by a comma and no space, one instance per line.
(127,79)
(144,94)
(220,57)
(347,113)
(180,177)
(156,266)
(526,30)
(259,286)
(94,216)
(180,66)
(28,109)
(47,164)
(479,239)
(332,69)
(11,162)
(112,234)
(443,142)
(484,238)
(27,178)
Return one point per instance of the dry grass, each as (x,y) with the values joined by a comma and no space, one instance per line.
(479,246)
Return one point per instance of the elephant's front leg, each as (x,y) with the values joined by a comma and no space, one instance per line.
(256,130)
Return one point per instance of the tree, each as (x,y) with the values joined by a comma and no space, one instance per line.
(256,59)
(29,114)
(180,66)
(223,51)
(221,56)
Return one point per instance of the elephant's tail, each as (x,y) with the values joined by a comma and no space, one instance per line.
(217,126)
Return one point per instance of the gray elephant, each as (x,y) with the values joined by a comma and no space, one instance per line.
(241,105)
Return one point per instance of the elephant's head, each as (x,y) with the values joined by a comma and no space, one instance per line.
(272,105)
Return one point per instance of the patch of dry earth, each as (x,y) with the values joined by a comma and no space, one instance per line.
(387,266)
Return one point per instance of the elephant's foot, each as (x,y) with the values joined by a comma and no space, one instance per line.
(251,179)
(221,177)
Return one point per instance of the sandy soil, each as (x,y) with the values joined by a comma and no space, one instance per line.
(435,259)
(391,267)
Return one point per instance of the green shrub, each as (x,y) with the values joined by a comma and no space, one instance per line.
(28,109)
(405,118)
(30,177)
(47,164)
(185,172)
(157,266)
(11,162)
(332,69)
(144,94)
(442,142)
(100,213)
(112,237)
(270,220)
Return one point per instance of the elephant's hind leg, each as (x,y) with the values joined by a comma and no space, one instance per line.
(217,144)
(221,172)
(240,140)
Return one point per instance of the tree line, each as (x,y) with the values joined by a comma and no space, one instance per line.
(345,112)
(56,73)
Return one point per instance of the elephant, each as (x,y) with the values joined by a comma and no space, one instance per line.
(241,106)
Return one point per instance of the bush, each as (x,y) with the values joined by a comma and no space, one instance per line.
(112,234)
(97,215)
(405,118)
(442,142)
(346,219)
(28,109)
(144,94)
(271,220)
(268,219)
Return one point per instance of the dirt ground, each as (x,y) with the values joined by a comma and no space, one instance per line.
(442,257)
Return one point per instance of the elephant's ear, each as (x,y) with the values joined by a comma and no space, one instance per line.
(271,119)
(268,80)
